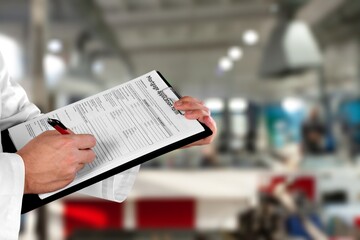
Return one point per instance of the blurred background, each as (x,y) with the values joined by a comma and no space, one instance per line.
(281,77)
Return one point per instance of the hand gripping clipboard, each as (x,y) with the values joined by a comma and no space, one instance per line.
(33,201)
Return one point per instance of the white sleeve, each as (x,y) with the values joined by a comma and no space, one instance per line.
(11,192)
(15,106)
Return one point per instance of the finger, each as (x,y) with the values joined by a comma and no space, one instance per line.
(71,132)
(196,114)
(190,105)
(55,132)
(187,99)
(190,99)
(210,122)
(86,156)
(199,143)
(84,141)
(50,132)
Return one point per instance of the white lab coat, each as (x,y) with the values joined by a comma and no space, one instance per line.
(14,109)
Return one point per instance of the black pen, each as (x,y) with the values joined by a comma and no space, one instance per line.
(58,126)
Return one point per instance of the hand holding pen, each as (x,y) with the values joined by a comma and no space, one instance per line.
(52,160)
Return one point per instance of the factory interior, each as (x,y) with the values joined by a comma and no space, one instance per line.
(280,77)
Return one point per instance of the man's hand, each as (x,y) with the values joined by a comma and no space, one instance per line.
(195,109)
(52,160)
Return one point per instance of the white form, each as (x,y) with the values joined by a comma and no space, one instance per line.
(128,121)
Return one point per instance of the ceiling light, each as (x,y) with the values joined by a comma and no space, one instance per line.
(98,67)
(225,64)
(292,105)
(235,53)
(238,105)
(250,37)
(55,46)
(54,69)
(215,104)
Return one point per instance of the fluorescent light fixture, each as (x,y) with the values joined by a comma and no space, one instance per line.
(215,104)
(238,105)
(55,46)
(225,64)
(292,105)
(250,37)
(235,53)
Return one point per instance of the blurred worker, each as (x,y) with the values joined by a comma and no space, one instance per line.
(50,161)
(314,134)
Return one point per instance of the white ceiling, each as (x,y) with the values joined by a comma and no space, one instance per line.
(157,25)
(184,39)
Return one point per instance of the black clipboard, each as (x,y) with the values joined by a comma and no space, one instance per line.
(33,201)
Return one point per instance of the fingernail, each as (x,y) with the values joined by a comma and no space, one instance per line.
(189,112)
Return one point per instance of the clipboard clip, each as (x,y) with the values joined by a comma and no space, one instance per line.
(172,96)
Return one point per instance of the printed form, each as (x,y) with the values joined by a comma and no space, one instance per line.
(128,121)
